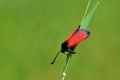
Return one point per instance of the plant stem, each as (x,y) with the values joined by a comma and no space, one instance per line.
(69,55)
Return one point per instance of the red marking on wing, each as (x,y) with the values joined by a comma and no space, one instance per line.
(72,34)
(77,37)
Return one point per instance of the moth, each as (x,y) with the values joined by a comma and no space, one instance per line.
(76,36)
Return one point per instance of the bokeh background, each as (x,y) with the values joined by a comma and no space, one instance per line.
(31,32)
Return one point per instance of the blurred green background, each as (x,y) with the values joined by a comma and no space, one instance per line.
(31,32)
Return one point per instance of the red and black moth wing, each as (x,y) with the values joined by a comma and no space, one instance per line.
(72,33)
(79,35)
(74,38)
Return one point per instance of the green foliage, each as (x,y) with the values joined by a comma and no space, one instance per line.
(86,20)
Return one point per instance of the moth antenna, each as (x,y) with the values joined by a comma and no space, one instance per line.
(55,58)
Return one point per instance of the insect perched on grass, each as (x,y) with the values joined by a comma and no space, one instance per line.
(79,34)
(72,40)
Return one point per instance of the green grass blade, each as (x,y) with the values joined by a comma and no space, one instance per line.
(88,18)
(86,11)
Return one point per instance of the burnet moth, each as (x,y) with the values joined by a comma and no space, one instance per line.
(78,34)
(72,40)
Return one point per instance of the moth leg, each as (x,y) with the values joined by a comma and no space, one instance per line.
(73,52)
